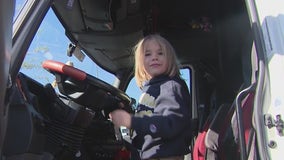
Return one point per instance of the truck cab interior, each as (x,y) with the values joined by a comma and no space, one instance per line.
(213,39)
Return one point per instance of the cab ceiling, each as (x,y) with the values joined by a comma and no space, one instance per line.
(106,30)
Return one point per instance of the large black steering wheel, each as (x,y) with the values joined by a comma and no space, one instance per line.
(64,70)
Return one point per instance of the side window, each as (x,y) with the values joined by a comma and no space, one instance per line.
(186,75)
(134,92)
(51,43)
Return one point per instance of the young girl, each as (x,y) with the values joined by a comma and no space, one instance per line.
(162,121)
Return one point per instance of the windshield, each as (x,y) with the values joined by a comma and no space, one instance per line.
(51,43)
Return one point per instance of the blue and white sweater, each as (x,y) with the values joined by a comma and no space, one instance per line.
(163,119)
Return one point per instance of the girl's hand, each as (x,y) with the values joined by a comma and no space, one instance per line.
(120,117)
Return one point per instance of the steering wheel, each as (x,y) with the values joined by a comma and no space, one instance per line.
(64,70)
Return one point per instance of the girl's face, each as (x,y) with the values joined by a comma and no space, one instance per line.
(155,62)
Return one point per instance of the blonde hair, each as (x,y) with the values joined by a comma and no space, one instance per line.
(140,72)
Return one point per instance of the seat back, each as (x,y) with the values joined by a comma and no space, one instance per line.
(219,138)
(199,149)
(216,130)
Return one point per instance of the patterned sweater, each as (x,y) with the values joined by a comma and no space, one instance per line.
(163,118)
